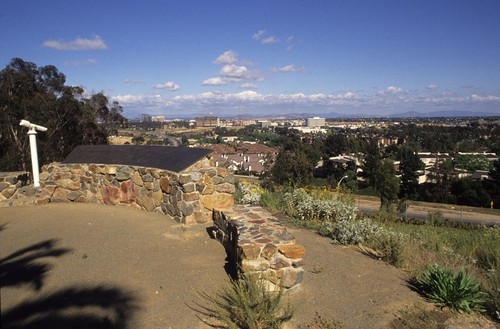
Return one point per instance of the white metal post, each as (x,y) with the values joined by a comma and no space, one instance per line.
(34,157)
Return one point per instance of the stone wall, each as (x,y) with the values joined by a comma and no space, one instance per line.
(257,243)
(186,197)
(10,182)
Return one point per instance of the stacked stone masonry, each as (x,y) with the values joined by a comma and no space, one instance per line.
(11,182)
(187,197)
(262,246)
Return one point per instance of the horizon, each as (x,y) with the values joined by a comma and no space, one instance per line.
(231,58)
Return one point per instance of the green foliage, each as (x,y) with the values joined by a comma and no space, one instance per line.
(353,231)
(390,246)
(385,181)
(302,206)
(39,95)
(248,192)
(246,304)
(471,162)
(454,289)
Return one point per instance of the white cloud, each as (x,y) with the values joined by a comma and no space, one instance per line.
(169,85)
(217,81)
(269,40)
(250,101)
(258,35)
(288,68)
(95,43)
(248,86)
(229,57)
(235,71)
(432,86)
(393,90)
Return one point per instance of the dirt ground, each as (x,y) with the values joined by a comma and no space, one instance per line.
(95,266)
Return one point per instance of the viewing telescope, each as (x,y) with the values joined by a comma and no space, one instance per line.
(27,124)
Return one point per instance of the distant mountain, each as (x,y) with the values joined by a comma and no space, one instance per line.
(443,114)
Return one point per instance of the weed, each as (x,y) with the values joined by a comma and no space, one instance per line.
(246,304)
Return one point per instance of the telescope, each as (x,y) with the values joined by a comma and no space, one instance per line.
(27,124)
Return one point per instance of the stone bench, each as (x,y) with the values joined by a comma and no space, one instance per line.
(257,243)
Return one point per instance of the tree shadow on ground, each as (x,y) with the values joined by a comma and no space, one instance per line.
(24,266)
(77,308)
(73,307)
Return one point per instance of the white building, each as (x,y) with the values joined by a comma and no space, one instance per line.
(316,122)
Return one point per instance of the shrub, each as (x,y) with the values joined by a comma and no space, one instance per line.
(302,206)
(454,289)
(248,192)
(391,246)
(246,303)
(353,232)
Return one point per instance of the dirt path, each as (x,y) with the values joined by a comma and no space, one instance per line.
(95,266)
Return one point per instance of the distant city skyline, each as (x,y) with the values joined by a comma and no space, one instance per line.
(237,58)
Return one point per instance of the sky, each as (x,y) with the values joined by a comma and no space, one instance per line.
(266,57)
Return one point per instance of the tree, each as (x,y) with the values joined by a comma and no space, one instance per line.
(371,162)
(409,167)
(385,181)
(39,95)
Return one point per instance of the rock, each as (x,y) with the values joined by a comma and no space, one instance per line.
(127,192)
(269,251)
(254,265)
(44,176)
(189,187)
(59,195)
(73,195)
(292,250)
(164,184)
(147,178)
(8,192)
(185,178)
(225,188)
(279,263)
(188,197)
(68,184)
(110,194)
(137,179)
(249,251)
(290,276)
(158,197)
(217,201)
(124,173)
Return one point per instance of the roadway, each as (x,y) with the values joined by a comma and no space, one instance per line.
(456,214)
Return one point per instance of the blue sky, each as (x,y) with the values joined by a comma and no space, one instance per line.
(187,57)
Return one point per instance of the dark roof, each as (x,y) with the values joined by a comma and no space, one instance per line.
(161,157)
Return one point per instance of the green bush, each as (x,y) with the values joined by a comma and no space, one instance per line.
(390,245)
(353,232)
(246,304)
(304,207)
(454,289)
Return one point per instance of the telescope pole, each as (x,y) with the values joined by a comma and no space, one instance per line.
(34,157)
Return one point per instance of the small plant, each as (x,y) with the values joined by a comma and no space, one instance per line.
(353,232)
(390,246)
(248,192)
(246,304)
(454,289)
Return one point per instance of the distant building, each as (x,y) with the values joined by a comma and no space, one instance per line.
(316,122)
(158,118)
(207,121)
(264,124)
(145,117)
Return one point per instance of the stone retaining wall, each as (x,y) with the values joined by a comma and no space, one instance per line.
(258,244)
(187,197)
(10,182)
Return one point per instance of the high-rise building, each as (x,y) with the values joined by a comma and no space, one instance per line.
(145,117)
